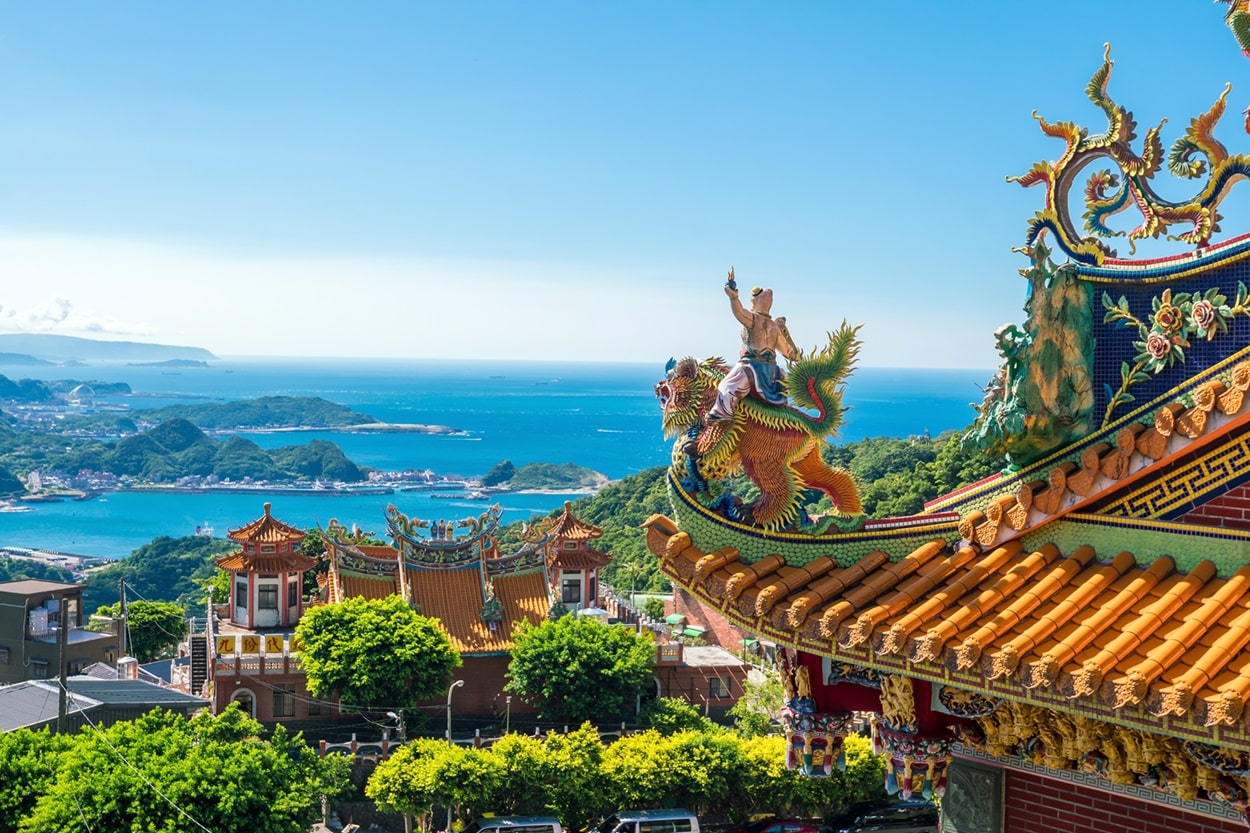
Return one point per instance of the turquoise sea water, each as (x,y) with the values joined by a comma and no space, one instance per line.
(603,416)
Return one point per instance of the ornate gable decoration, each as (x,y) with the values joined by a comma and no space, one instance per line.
(444,544)
(1195,155)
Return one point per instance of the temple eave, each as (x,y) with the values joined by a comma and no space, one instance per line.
(873,630)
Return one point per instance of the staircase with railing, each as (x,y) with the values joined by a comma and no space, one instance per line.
(197,641)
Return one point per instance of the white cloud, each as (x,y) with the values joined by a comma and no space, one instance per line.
(60,316)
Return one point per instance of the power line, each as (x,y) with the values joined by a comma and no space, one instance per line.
(143,777)
(81,814)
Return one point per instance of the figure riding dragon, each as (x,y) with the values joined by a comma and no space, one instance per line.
(775,441)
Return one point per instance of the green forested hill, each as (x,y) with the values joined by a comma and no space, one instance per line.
(265,412)
(176,448)
(166,570)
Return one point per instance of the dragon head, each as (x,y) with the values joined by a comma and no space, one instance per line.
(687,392)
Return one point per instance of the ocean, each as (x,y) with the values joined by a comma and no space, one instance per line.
(602,416)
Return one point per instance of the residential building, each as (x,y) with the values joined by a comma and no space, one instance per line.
(31,643)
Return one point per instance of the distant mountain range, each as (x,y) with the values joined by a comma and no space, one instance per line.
(44,347)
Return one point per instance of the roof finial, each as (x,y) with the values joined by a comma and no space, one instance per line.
(267,505)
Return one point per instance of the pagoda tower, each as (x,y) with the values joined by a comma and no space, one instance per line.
(572,563)
(268,573)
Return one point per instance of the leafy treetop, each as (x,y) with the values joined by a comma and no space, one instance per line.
(375,653)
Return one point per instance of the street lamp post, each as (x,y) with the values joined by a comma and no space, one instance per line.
(507,720)
(403,737)
(450,689)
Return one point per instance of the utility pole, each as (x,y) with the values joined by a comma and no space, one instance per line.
(122,621)
(62,639)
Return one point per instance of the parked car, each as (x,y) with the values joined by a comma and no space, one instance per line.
(888,817)
(775,824)
(650,821)
(515,824)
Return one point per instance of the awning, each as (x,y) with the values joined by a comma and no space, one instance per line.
(747,643)
(675,618)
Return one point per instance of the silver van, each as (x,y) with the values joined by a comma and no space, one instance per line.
(515,824)
(650,821)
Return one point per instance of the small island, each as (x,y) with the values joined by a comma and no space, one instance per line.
(170,363)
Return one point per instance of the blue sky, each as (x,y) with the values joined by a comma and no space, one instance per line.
(556,180)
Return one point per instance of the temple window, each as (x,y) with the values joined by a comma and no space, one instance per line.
(268,549)
(4,656)
(284,700)
(240,590)
(718,689)
(267,596)
(292,591)
(249,547)
(39,669)
(570,545)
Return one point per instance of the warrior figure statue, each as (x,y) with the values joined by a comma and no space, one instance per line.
(762,339)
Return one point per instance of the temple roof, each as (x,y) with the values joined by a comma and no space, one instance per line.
(266,530)
(580,559)
(455,592)
(1072,628)
(282,562)
(571,528)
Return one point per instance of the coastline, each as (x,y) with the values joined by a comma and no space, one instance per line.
(362,428)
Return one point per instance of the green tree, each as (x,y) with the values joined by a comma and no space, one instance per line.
(668,715)
(152,628)
(405,782)
(375,653)
(654,607)
(428,773)
(709,771)
(313,546)
(214,773)
(577,795)
(637,770)
(524,776)
(28,765)
(759,706)
(576,668)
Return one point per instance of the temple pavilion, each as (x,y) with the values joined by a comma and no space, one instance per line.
(572,561)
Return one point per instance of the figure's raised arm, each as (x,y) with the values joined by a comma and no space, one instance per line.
(740,312)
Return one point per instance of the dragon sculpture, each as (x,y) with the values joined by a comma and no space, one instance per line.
(776,446)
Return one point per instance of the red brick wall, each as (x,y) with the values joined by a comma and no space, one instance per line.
(1042,805)
(482,694)
(1230,510)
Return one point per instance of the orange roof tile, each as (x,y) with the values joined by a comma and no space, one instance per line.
(580,559)
(266,529)
(572,528)
(239,562)
(1130,643)
(455,597)
(366,587)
